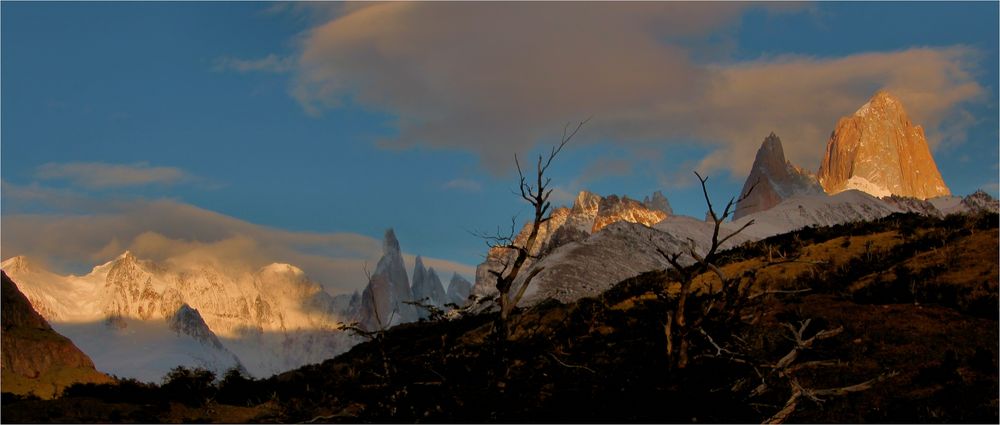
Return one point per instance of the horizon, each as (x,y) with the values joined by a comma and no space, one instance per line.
(298,133)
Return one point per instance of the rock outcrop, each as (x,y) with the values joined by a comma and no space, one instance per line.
(879,151)
(773,179)
(37,359)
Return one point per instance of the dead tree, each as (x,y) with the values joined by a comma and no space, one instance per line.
(726,307)
(678,322)
(535,192)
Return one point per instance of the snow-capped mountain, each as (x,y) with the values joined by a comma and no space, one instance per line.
(267,321)
(593,263)
(879,151)
(589,214)
(773,179)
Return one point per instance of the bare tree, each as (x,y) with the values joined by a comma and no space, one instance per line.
(536,192)
(727,305)
(677,324)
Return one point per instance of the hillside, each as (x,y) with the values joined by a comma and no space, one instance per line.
(900,315)
(36,359)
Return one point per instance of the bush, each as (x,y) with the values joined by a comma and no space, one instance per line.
(193,387)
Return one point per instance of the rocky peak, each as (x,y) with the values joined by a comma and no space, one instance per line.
(458,289)
(586,203)
(388,289)
(773,179)
(390,245)
(658,202)
(878,150)
(613,209)
(981,201)
(188,321)
(17,264)
(427,287)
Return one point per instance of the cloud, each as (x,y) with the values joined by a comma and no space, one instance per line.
(170,231)
(99,175)
(493,78)
(463,185)
(271,63)
(605,167)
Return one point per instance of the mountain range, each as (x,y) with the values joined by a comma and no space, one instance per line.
(139,318)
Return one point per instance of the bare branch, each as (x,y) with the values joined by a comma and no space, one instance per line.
(571,365)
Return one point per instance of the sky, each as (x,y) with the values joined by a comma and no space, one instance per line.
(259,132)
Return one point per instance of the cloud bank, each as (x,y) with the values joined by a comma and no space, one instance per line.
(493,78)
(166,230)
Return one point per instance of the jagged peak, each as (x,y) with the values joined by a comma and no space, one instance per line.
(18,263)
(389,243)
(586,202)
(419,263)
(771,149)
(187,310)
(882,101)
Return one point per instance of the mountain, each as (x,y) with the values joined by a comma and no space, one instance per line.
(773,179)
(589,214)
(458,289)
(658,203)
(879,151)
(882,323)
(427,287)
(593,263)
(121,314)
(613,209)
(37,359)
(383,299)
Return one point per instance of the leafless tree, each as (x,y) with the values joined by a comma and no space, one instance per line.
(535,192)
(727,305)
(678,323)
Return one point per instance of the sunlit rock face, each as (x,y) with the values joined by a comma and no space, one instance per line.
(773,179)
(879,151)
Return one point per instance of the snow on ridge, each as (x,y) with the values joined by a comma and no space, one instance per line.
(864,185)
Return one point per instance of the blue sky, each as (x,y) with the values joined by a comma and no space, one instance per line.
(339,119)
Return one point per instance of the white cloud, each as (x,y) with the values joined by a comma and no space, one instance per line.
(494,78)
(99,175)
